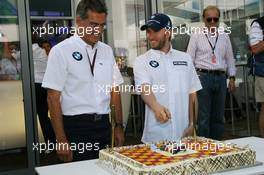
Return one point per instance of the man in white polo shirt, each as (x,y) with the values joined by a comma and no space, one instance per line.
(167,81)
(79,73)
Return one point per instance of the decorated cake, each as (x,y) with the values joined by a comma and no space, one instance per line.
(188,156)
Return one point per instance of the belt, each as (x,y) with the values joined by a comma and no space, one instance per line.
(214,72)
(88,117)
(97,117)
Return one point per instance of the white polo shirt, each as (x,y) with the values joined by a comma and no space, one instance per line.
(40,59)
(69,71)
(175,77)
(255,34)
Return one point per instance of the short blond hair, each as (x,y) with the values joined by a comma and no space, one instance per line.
(211,7)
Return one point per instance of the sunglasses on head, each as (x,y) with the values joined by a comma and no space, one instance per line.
(210,19)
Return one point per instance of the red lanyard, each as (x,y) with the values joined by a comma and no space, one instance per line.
(93,63)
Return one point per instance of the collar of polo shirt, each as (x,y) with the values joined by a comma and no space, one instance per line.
(161,52)
(83,43)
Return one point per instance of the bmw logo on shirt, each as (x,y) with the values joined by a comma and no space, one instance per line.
(153,63)
(77,56)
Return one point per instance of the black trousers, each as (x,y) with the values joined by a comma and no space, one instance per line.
(87,134)
(42,111)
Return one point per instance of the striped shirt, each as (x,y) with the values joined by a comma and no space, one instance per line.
(201,52)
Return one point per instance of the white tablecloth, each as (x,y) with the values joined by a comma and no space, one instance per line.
(89,167)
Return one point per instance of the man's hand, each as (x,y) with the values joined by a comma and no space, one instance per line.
(188,131)
(231,86)
(119,136)
(162,114)
(64,152)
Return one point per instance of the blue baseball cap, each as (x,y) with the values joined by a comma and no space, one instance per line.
(157,22)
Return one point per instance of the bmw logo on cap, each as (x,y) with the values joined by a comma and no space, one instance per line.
(77,56)
(153,63)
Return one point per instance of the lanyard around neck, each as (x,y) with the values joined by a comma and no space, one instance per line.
(212,47)
(92,64)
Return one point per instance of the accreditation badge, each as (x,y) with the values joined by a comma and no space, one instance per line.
(213,59)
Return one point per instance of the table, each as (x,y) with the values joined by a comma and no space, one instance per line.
(89,167)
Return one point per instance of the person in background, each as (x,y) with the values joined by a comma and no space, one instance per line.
(40,63)
(45,44)
(213,59)
(82,79)
(10,63)
(256,40)
(168,82)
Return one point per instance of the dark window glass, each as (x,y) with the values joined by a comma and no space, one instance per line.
(8,8)
(50,7)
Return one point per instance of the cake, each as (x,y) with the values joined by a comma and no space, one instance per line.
(188,156)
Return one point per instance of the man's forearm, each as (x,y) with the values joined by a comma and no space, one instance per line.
(193,107)
(162,114)
(258,48)
(148,96)
(56,116)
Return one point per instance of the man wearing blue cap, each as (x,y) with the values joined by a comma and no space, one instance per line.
(167,81)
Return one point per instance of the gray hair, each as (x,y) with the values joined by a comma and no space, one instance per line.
(93,5)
